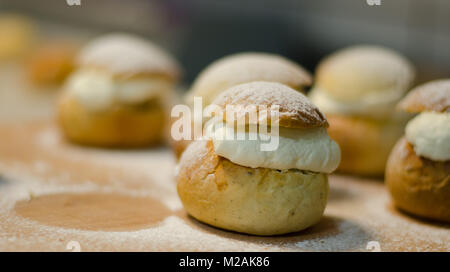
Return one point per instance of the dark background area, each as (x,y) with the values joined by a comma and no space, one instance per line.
(200,31)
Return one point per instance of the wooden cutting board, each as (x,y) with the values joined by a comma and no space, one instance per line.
(55,196)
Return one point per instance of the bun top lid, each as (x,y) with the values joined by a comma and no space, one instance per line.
(247,67)
(353,72)
(431,96)
(125,54)
(295,110)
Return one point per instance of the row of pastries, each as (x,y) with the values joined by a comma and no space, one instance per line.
(120,92)
(118,95)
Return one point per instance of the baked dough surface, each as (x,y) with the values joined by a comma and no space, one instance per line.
(418,185)
(258,201)
(365,143)
(120,126)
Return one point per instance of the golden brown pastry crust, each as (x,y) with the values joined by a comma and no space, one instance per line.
(349,73)
(120,126)
(431,96)
(257,201)
(296,111)
(243,68)
(128,55)
(418,185)
(365,143)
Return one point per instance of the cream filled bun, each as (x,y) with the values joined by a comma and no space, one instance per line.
(358,89)
(362,81)
(118,93)
(418,169)
(222,186)
(429,133)
(242,68)
(110,90)
(304,149)
(246,67)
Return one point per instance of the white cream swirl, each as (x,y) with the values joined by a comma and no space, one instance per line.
(303,149)
(98,90)
(429,133)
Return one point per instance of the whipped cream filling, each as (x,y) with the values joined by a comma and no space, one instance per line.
(97,90)
(379,105)
(429,133)
(303,149)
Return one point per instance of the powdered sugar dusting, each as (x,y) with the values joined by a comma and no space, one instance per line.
(432,96)
(293,105)
(193,153)
(127,54)
(374,66)
(247,67)
(358,212)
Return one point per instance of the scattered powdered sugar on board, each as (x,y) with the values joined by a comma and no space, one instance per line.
(394,230)
(20,100)
(34,175)
(19,233)
(348,237)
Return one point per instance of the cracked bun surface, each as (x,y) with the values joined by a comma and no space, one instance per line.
(257,201)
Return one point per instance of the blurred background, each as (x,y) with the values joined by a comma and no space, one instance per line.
(200,31)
